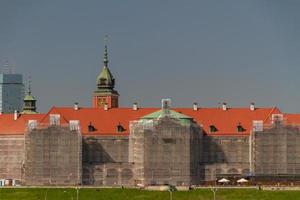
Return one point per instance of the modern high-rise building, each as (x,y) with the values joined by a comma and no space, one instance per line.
(11,93)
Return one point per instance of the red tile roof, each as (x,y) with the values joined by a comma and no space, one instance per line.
(105,122)
(226,122)
(9,126)
(293,119)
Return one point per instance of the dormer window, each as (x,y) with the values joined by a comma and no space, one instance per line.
(277,119)
(74,125)
(54,119)
(120,128)
(258,125)
(212,129)
(240,128)
(32,124)
(91,128)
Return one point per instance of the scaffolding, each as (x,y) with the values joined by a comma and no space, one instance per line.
(53,155)
(11,156)
(276,152)
(105,161)
(165,151)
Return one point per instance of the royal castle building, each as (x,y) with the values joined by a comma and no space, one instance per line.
(106,145)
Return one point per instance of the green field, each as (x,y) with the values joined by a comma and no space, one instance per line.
(135,194)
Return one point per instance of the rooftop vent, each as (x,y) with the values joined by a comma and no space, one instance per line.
(16,115)
(224,106)
(135,106)
(76,107)
(195,106)
(252,106)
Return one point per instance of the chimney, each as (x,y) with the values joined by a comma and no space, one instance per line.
(224,106)
(135,106)
(105,106)
(195,106)
(76,107)
(16,115)
(252,106)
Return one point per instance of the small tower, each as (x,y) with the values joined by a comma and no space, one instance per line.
(105,93)
(29,102)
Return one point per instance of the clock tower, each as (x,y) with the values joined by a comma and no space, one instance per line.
(105,93)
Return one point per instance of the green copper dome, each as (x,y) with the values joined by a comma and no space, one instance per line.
(29,97)
(105,80)
(29,103)
(172,114)
(183,119)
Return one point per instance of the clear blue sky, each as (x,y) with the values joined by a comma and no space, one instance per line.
(210,51)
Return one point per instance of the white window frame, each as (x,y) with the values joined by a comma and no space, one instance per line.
(258,125)
(32,124)
(54,119)
(74,125)
(277,117)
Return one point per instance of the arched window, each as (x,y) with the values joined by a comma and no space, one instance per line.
(245,171)
(232,171)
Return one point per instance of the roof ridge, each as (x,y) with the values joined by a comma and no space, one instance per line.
(46,114)
(269,114)
(51,109)
(63,117)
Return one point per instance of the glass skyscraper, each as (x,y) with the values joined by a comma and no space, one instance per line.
(11,93)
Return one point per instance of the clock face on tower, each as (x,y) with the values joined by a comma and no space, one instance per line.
(101,101)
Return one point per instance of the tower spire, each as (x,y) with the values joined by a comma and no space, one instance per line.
(29,101)
(105,59)
(105,94)
(29,85)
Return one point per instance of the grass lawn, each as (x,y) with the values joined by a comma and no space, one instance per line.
(135,194)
